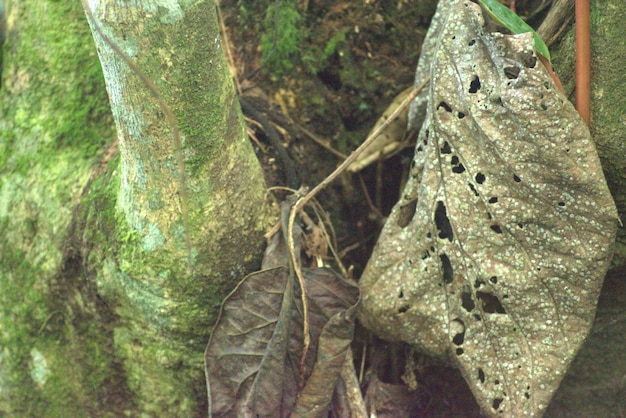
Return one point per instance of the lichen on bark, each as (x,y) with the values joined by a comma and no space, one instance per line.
(99,316)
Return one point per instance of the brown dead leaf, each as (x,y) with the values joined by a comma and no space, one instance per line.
(499,266)
(253,356)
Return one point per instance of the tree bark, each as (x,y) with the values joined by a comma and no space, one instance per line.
(100,315)
(607,98)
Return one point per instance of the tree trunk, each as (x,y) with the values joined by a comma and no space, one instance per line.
(101,314)
(607,98)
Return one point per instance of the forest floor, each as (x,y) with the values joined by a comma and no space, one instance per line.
(325,77)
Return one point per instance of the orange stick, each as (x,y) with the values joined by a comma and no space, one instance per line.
(583,60)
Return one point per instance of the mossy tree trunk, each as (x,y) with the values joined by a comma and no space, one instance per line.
(100,314)
(608,106)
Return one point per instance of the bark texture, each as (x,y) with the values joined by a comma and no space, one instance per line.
(594,384)
(99,314)
(607,99)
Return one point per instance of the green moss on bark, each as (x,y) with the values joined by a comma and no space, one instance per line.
(57,358)
(608,47)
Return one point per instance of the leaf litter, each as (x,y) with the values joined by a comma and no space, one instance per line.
(492,260)
(253,359)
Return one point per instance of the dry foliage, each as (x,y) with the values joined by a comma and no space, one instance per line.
(253,360)
(494,257)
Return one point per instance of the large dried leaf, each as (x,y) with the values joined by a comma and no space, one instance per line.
(332,305)
(495,255)
(253,357)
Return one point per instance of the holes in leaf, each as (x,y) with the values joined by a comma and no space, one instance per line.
(493,200)
(543,106)
(459,327)
(446,148)
(472,42)
(473,189)
(446,268)
(520,225)
(529,60)
(481,375)
(442,222)
(460,115)
(407,211)
(401,295)
(474,85)
(561,204)
(467,302)
(490,303)
(496,228)
(480,178)
(493,279)
(516,178)
(478,283)
(511,72)
(457,167)
(445,106)
(496,403)
(459,351)
(404,308)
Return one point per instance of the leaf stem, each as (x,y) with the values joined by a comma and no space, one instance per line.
(583,60)
(355,154)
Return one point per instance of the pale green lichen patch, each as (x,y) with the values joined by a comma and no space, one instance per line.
(39,370)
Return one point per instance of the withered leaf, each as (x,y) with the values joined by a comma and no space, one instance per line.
(500,267)
(387,400)
(253,356)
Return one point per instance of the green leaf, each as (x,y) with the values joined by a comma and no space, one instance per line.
(504,16)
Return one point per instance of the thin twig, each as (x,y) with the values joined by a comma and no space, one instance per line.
(368,199)
(226,47)
(303,201)
(331,242)
(583,61)
(305,304)
(353,389)
(346,163)
(316,139)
